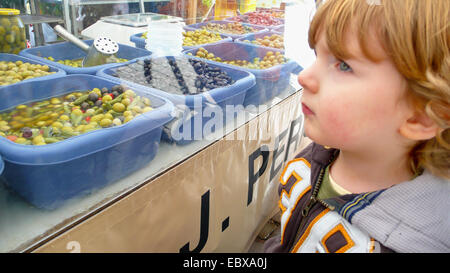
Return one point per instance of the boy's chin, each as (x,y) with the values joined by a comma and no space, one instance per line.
(317,139)
(310,133)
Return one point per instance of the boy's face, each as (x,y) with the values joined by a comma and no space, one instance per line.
(353,104)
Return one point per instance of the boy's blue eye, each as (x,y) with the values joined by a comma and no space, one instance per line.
(343,66)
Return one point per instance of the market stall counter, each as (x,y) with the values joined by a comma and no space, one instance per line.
(231,179)
(91,168)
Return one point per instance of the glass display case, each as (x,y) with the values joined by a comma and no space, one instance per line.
(182,131)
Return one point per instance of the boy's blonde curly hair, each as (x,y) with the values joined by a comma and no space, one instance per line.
(416,36)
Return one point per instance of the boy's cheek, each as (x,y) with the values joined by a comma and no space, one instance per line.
(334,118)
(341,125)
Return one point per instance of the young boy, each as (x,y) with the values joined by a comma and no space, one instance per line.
(377,107)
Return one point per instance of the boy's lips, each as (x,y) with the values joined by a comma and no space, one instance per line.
(306,110)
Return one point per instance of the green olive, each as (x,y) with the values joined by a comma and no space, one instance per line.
(21,140)
(117,122)
(129,93)
(97,118)
(106,98)
(146,109)
(77,111)
(118,107)
(108,116)
(128,118)
(126,102)
(57,124)
(6,48)
(5,23)
(38,139)
(67,129)
(105,122)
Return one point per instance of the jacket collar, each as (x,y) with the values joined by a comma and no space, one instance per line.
(323,155)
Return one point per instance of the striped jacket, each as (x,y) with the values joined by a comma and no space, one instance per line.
(409,217)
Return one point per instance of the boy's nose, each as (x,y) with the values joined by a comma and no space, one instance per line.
(308,80)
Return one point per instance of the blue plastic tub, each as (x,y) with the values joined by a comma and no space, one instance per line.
(48,175)
(269,82)
(13,58)
(279,29)
(254,36)
(140,42)
(192,109)
(233,36)
(66,50)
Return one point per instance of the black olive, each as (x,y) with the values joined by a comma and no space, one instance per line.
(122,88)
(84,106)
(118,88)
(26,132)
(198,83)
(98,103)
(93,97)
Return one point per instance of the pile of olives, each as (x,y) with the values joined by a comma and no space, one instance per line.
(269,60)
(229,28)
(181,76)
(53,120)
(274,12)
(12,35)
(196,37)
(258,18)
(199,37)
(274,41)
(79,62)
(209,77)
(13,72)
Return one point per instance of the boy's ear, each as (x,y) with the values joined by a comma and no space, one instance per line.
(419,126)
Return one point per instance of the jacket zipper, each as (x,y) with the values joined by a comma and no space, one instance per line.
(313,199)
(315,192)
